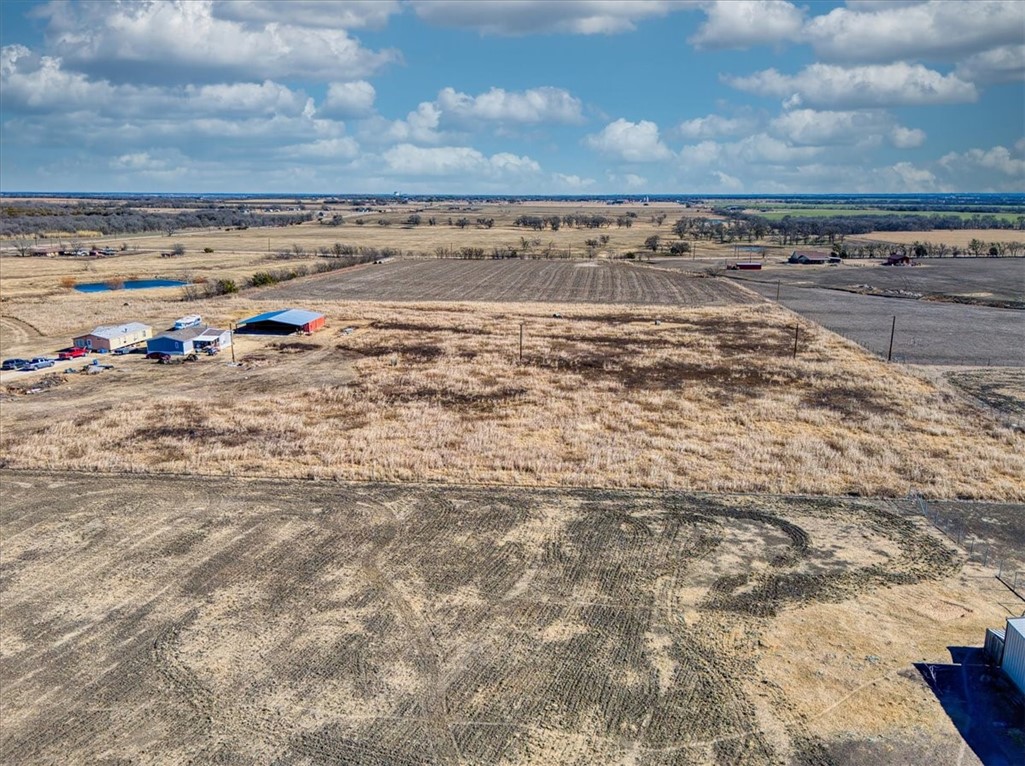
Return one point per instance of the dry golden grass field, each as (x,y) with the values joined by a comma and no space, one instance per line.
(707,398)
(155,620)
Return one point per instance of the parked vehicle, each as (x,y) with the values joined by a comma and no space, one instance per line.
(72,353)
(192,320)
(14,364)
(39,362)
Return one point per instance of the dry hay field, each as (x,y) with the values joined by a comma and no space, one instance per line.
(186,620)
(951,237)
(513,281)
(703,398)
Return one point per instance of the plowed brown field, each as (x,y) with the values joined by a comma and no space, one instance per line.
(514,281)
(160,620)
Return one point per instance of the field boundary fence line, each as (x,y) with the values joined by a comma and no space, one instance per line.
(1007,570)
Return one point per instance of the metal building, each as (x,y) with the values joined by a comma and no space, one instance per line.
(282,322)
(113,337)
(1013,661)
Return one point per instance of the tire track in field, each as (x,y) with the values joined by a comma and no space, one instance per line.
(434,703)
(14,331)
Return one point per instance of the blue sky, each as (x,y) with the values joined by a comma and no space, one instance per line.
(513,96)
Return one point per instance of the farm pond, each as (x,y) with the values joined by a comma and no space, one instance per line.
(129,284)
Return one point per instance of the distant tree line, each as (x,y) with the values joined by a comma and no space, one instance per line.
(803,229)
(574,220)
(27,219)
(208,289)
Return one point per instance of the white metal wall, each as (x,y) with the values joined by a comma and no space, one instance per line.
(1014,652)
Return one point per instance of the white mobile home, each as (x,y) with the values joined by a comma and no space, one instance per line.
(113,337)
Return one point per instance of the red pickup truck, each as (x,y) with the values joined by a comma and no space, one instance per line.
(71,353)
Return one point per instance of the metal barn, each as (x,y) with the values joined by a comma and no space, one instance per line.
(113,337)
(282,322)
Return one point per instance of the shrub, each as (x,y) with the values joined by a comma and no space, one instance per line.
(261,278)
(208,249)
(68,283)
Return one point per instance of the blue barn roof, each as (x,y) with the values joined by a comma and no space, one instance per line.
(296,317)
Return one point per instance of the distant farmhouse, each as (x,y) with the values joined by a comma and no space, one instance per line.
(812,257)
(282,322)
(113,337)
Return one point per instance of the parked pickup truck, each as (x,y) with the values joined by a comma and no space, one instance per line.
(71,353)
(39,362)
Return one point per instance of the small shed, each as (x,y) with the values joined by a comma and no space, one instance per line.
(1013,660)
(175,342)
(282,322)
(113,337)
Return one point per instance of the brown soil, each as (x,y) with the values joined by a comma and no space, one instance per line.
(157,620)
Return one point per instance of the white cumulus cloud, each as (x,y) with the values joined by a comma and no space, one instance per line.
(536,105)
(348,99)
(906,138)
(524,17)
(935,30)
(410,160)
(186,41)
(714,125)
(1003,64)
(630,141)
(746,23)
(572,182)
(830,128)
(898,84)
(998,159)
(335,14)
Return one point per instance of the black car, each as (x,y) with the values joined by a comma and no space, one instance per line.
(14,364)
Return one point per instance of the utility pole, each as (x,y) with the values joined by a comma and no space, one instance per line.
(797,332)
(521,341)
(231,337)
(893,328)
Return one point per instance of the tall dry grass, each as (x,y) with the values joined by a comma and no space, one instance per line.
(705,399)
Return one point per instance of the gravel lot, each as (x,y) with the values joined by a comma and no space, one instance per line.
(980,278)
(926,332)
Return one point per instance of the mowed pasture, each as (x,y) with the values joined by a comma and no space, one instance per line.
(709,398)
(513,281)
(155,620)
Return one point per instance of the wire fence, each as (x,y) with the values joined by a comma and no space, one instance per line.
(979,550)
